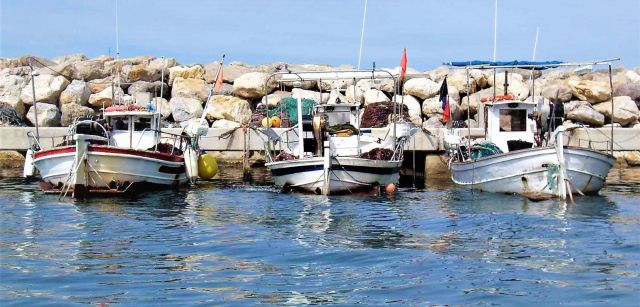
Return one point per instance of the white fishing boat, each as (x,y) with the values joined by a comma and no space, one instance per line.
(321,160)
(514,157)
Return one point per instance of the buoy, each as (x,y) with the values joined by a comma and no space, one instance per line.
(207,166)
(275,121)
(390,188)
(265,122)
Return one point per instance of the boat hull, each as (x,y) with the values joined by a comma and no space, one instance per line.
(529,172)
(107,169)
(347,174)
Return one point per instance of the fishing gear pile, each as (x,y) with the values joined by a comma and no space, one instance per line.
(383,154)
(377,114)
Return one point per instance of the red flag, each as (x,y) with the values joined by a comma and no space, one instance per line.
(447,110)
(403,64)
(218,86)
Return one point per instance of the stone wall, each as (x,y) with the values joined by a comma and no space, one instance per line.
(73,85)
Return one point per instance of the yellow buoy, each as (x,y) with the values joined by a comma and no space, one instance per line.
(265,122)
(207,166)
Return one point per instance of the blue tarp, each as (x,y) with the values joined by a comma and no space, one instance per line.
(538,65)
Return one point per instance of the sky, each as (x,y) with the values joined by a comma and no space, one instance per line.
(324,31)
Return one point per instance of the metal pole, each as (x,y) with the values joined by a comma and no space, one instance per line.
(495,29)
(364,18)
(612,108)
(468,114)
(33,92)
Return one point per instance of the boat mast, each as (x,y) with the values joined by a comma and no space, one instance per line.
(33,92)
(364,18)
(495,29)
(612,108)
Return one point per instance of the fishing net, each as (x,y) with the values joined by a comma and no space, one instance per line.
(284,156)
(342,130)
(484,150)
(286,110)
(378,154)
(9,117)
(376,115)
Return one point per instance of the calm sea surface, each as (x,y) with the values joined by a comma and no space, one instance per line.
(237,243)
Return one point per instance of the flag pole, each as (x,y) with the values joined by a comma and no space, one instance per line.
(495,29)
(206,105)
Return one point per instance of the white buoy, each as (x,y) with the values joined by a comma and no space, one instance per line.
(191,164)
(29,169)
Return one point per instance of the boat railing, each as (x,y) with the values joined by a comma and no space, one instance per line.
(176,140)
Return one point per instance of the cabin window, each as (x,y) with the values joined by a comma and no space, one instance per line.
(513,120)
(141,124)
(120,124)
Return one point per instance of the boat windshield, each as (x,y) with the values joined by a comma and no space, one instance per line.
(512,120)
(141,124)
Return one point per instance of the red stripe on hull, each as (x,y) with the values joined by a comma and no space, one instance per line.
(54,151)
(108,149)
(133,152)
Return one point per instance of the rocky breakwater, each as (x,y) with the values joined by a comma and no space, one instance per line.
(74,85)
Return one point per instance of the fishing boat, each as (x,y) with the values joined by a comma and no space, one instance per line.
(523,150)
(326,151)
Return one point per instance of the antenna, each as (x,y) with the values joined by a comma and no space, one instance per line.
(495,29)
(364,18)
(117,33)
(535,44)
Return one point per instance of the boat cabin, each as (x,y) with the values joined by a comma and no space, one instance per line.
(510,124)
(132,128)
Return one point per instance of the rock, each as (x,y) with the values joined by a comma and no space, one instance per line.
(413,106)
(9,117)
(336,97)
(184,109)
(9,63)
(98,85)
(312,95)
(70,58)
(328,85)
(63,69)
(119,64)
(77,93)
(355,94)
(632,158)
(11,159)
(48,89)
(188,88)
(574,104)
(517,88)
(163,106)
(475,100)
(481,77)
(631,89)
(195,122)
(386,85)
(438,74)
(433,106)
(211,71)
(236,69)
(459,80)
(185,72)
(223,123)
(590,90)
(625,112)
(471,123)
(138,72)
(71,111)
(276,97)
(422,88)
(89,70)
(148,87)
(48,115)
(156,66)
(587,115)
(18,71)
(557,91)
(229,108)
(433,122)
(10,89)
(105,97)
(374,95)
(252,85)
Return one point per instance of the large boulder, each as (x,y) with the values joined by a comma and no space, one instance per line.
(71,111)
(413,107)
(252,85)
(593,91)
(119,64)
(226,124)
(185,72)
(89,69)
(574,104)
(275,98)
(148,87)
(105,97)
(189,88)
(422,88)
(433,106)
(162,105)
(434,122)
(234,70)
(373,95)
(460,81)
(11,159)
(70,58)
(631,89)
(517,87)
(586,114)
(48,89)
(312,95)
(355,94)
(211,72)
(438,74)
(625,111)
(48,115)
(184,109)
(229,108)
(336,97)
(98,85)
(557,91)
(10,89)
(76,93)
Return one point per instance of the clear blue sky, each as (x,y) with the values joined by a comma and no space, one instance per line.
(297,31)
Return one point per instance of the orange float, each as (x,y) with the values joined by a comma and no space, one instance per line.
(275,121)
